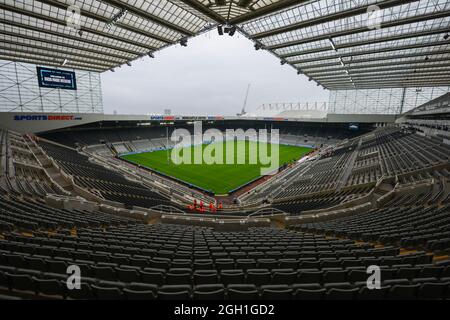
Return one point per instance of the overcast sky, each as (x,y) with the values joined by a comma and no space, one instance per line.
(208,77)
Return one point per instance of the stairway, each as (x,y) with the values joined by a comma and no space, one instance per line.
(348,170)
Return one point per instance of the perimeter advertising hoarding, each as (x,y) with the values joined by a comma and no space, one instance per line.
(54,78)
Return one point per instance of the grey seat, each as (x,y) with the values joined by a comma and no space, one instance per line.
(234,276)
(107,293)
(403,292)
(342,294)
(309,277)
(309,294)
(128,275)
(205,277)
(209,292)
(373,294)
(139,295)
(174,292)
(276,292)
(49,288)
(434,291)
(242,292)
(258,276)
(283,277)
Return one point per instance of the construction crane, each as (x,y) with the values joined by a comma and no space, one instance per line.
(243,113)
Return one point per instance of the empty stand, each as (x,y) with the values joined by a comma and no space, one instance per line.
(107,183)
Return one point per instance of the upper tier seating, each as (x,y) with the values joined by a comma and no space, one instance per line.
(362,162)
(310,134)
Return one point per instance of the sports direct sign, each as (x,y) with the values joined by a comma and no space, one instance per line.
(46,118)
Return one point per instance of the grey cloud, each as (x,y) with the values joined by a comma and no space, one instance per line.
(210,76)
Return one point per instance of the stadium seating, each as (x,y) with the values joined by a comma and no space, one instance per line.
(405,231)
(144,138)
(358,166)
(107,183)
(408,226)
(129,260)
(21,172)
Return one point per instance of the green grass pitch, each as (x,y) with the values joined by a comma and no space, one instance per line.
(217,178)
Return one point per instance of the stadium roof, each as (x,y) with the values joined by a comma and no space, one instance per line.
(340,44)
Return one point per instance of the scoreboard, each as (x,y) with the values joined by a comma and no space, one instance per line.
(55,78)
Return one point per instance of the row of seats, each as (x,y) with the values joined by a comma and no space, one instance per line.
(324,200)
(406,226)
(383,153)
(29,214)
(110,184)
(95,136)
(27,284)
(186,275)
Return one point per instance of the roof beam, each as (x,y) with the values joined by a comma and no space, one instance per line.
(105,55)
(72,38)
(374,82)
(386,81)
(327,18)
(39,60)
(370,41)
(386,67)
(366,52)
(85,29)
(382,58)
(409,20)
(397,74)
(388,86)
(54,54)
(269,9)
(147,16)
(205,10)
(106,20)
(62,53)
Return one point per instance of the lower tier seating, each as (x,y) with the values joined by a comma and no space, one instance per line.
(183,262)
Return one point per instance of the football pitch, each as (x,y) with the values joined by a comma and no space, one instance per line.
(216,178)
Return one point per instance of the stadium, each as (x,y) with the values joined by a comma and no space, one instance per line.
(345,202)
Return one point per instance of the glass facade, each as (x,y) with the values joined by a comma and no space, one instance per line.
(381,101)
(20,91)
